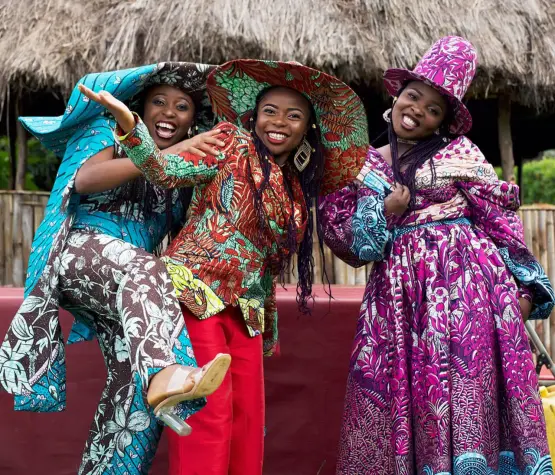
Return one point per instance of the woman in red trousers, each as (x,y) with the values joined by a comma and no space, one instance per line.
(291,133)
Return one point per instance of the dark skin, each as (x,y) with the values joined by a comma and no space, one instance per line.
(417,113)
(283,118)
(288,113)
(168,115)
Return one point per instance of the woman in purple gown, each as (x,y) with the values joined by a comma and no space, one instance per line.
(441,379)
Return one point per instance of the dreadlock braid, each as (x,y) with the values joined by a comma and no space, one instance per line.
(310,180)
(405,166)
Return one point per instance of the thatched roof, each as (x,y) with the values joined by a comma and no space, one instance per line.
(52,43)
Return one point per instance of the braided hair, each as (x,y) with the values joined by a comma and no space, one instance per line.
(405,166)
(310,180)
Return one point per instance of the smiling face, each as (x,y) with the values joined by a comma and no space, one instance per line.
(168,114)
(418,112)
(283,117)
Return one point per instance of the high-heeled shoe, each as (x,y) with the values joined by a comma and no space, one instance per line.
(178,383)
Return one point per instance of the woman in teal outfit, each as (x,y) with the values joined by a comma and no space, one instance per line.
(92,256)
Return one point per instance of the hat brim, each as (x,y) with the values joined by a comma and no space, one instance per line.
(396,78)
(234,87)
(124,84)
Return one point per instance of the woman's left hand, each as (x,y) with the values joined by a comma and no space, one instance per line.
(525,308)
(117,108)
(201,144)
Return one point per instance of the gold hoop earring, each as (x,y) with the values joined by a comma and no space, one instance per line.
(302,155)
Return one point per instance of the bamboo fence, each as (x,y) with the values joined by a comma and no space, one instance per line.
(22,211)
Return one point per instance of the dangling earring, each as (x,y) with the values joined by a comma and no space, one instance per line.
(251,128)
(387,116)
(302,155)
(445,139)
(190,133)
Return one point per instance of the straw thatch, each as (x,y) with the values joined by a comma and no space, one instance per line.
(52,43)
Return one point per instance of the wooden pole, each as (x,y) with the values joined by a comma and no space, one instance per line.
(12,138)
(505,138)
(17,241)
(21,151)
(520,165)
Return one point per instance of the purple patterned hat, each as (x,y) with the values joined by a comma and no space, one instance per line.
(449,67)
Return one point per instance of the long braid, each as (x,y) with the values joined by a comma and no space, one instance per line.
(405,166)
(310,181)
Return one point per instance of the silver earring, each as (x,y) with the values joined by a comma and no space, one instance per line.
(302,155)
(445,139)
(387,115)
(190,133)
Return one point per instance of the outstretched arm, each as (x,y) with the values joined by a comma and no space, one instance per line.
(102,173)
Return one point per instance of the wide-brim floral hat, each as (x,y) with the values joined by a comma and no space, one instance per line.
(340,114)
(449,67)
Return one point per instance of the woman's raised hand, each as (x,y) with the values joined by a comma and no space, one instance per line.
(118,109)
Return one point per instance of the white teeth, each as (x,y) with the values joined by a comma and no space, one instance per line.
(165,125)
(276,136)
(408,121)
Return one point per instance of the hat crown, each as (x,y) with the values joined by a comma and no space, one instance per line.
(189,77)
(450,64)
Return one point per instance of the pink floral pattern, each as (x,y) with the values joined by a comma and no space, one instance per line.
(442,379)
(449,66)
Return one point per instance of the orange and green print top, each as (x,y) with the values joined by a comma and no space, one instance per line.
(222,256)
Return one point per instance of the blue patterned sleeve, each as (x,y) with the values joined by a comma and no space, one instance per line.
(353,220)
(493,206)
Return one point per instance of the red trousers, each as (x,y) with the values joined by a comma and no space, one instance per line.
(228,434)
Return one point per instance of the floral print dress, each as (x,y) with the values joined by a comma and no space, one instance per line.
(441,380)
(101,269)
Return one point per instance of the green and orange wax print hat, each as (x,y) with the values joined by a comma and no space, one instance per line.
(234,86)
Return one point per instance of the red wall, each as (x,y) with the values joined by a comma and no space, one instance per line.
(304,395)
